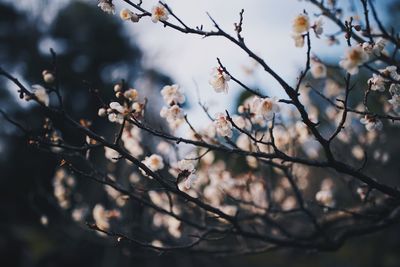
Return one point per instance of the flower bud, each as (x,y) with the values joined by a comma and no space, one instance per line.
(48,77)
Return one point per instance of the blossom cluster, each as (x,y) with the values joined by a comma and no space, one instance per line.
(361,53)
(131,107)
(172,112)
(158,12)
(301,26)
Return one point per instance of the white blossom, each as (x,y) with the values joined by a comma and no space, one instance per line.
(62,183)
(395,100)
(301,23)
(126,14)
(241,122)
(117,112)
(41,95)
(172,94)
(377,83)
(371,123)
(102,112)
(318,70)
(390,71)
(107,6)
(111,154)
(154,162)
(379,46)
(164,147)
(354,57)
(325,197)
(298,39)
(48,76)
(394,89)
(131,138)
(102,216)
(219,80)
(131,94)
(78,214)
(117,87)
(117,118)
(264,108)
(222,125)
(187,166)
(172,114)
(243,142)
(117,107)
(318,26)
(159,13)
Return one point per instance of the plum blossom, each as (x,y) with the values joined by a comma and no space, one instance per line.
(301,23)
(318,26)
(102,216)
(131,94)
(48,76)
(172,95)
(377,83)
(222,125)
(374,48)
(187,167)
(241,122)
(117,112)
(390,72)
(395,100)
(40,94)
(159,13)
(353,58)
(379,46)
(164,147)
(63,183)
(117,117)
(298,39)
(102,112)
(111,154)
(219,80)
(172,114)
(243,142)
(126,14)
(264,108)
(318,70)
(154,162)
(107,6)
(371,123)
(117,107)
(131,139)
(325,197)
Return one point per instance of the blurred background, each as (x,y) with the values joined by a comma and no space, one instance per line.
(96,50)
